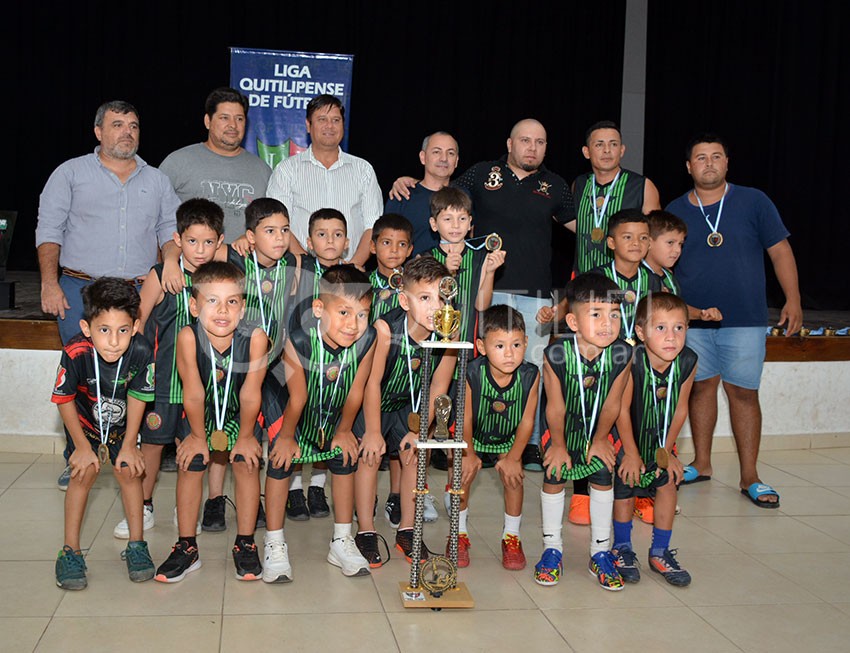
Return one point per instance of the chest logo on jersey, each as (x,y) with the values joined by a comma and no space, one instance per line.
(60,377)
(267,286)
(589,381)
(415,363)
(630,296)
(499,407)
(385,294)
(151,375)
(543,188)
(494,179)
(661,392)
(153,421)
(219,374)
(332,373)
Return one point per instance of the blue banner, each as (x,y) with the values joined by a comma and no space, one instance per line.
(279,85)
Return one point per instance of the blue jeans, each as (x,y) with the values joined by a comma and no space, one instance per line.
(538,338)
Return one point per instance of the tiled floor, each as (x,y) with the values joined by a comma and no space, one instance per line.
(763,580)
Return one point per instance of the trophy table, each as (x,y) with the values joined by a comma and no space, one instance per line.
(433,584)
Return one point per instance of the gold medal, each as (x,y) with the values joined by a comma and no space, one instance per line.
(385,294)
(103,453)
(631,341)
(715,239)
(413,422)
(829,331)
(493,243)
(321,437)
(218,440)
(630,296)
(596,234)
(662,458)
(395,280)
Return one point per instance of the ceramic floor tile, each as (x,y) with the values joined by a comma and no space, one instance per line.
(666,628)
(799,457)
(21,633)
(49,505)
(27,589)
(12,457)
(841,454)
(712,499)
(111,593)
(308,632)
(813,501)
(779,628)
(11,472)
(732,580)
(823,475)
(828,582)
(834,526)
(132,633)
(474,630)
(770,534)
(844,607)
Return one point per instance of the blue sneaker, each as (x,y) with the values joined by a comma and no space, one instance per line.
(64,478)
(602,566)
(627,564)
(71,569)
(139,564)
(548,570)
(667,565)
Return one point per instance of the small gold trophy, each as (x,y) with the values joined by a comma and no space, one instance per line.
(447,318)
(442,410)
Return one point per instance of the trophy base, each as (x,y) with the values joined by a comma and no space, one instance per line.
(457,597)
(7,295)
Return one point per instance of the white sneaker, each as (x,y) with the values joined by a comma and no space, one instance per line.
(122,529)
(197,529)
(430,514)
(276,567)
(447,502)
(345,555)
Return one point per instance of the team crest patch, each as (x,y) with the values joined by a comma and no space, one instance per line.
(494,179)
(385,294)
(415,363)
(661,392)
(332,373)
(543,188)
(61,372)
(499,406)
(153,421)
(588,382)
(150,375)
(267,287)
(219,375)
(630,296)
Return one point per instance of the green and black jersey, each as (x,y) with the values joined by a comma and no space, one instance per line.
(497,411)
(667,279)
(626,193)
(468,279)
(267,296)
(161,329)
(635,288)
(329,374)
(213,372)
(385,298)
(596,376)
(649,403)
(397,384)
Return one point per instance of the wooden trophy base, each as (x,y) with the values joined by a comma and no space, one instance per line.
(457,597)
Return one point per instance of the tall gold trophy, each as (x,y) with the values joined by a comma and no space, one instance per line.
(433,584)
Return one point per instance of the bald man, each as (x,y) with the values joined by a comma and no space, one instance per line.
(518,198)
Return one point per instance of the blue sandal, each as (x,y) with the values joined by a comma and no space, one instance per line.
(691,475)
(757,490)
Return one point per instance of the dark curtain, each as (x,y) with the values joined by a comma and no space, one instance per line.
(772,77)
(472,69)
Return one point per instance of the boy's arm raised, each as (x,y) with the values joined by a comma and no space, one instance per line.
(492,262)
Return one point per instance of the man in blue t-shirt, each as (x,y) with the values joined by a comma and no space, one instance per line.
(439,155)
(722,264)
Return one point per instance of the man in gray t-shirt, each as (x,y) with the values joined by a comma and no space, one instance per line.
(219,169)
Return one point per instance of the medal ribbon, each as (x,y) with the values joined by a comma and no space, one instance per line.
(220,414)
(324,417)
(104,435)
(414,404)
(674,370)
(598,217)
(714,227)
(266,326)
(185,292)
(630,328)
(588,432)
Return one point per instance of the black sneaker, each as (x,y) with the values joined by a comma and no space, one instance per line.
(367,544)
(316,502)
(168,462)
(392,509)
(439,460)
(213,521)
(531,460)
(404,543)
(247,561)
(626,562)
(296,506)
(261,516)
(183,560)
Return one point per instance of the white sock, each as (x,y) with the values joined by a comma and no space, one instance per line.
(341,531)
(295,482)
(511,525)
(318,479)
(601,517)
(552,506)
(275,536)
(462,523)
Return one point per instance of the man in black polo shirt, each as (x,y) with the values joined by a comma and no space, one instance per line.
(517,198)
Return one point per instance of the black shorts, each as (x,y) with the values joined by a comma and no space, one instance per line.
(602,477)
(335,464)
(198,465)
(162,423)
(623,491)
(273,402)
(393,428)
(114,446)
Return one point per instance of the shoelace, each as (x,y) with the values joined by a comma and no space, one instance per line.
(628,557)
(277,549)
(75,562)
(670,560)
(550,560)
(512,543)
(136,555)
(605,563)
(379,538)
